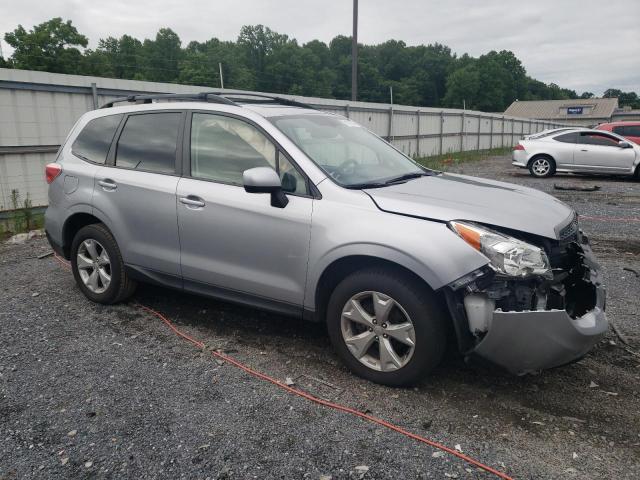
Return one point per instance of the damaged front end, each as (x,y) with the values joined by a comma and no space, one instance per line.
(539,304)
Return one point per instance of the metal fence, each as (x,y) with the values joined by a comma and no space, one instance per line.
(37,110)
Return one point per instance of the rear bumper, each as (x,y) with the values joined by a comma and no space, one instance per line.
(57,248)
(528,341)
(519,158)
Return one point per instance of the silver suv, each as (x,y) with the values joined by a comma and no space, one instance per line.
(272,204)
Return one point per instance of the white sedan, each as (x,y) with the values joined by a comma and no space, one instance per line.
(578,150)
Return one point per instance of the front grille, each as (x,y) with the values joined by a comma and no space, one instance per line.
(570,231)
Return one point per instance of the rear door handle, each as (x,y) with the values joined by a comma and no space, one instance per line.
(583,150)
(108,184)
(191,201)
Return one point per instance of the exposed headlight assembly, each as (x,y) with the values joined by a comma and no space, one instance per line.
(507,255)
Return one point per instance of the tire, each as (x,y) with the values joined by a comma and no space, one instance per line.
(542,166)
(408,299)
(91,243)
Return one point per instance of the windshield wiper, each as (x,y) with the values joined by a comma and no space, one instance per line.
(400,178)
(407,176)
(358,186)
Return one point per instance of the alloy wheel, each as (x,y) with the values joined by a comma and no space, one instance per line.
(378,331)
(94,265)
(541,166)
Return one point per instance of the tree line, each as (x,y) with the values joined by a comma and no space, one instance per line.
(264,60)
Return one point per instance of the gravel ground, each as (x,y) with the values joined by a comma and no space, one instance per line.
(90,391)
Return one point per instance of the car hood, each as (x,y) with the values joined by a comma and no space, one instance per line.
(446,197)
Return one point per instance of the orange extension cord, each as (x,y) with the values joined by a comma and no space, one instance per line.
(311,398)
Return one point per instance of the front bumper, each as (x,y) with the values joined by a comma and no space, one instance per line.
(527,341)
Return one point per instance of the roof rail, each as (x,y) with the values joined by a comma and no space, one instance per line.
(226,98)
(241,97)
(148,98)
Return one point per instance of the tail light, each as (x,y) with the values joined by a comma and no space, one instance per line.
(52,170)
(518,147)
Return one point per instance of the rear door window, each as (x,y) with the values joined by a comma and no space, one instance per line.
(620,130)
(95,138)
(149,142)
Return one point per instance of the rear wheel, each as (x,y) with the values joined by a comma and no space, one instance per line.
(386,326)
(98,267)
(542,166)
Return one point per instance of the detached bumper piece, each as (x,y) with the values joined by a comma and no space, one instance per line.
(526,326)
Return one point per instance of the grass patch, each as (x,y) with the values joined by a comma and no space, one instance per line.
(22,218)
(447,160)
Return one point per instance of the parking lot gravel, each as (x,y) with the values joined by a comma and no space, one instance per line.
(88,391)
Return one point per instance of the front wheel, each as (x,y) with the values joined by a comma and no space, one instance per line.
(98,266)
(386,326)
(542,167)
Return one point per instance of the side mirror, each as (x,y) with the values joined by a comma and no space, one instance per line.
(265,180)
(622,144)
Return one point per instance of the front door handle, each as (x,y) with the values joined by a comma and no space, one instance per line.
(192,201)
(584,150)
(108,184)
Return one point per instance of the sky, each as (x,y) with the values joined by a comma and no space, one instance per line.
(584,45)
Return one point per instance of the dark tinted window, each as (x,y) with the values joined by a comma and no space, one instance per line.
(631,131)
(93,142)
(590,138)
(149,141)
(567,138)
(619,130)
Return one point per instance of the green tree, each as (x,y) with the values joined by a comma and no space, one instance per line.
(161,57)
(258,43)
(50,46)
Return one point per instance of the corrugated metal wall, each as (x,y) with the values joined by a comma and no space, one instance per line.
(37,110)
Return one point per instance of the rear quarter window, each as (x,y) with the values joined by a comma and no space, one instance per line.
(94,140)
(567,138)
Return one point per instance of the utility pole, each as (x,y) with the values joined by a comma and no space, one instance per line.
(221,79)
(354,53)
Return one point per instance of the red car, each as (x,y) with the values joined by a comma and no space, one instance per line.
(629,130)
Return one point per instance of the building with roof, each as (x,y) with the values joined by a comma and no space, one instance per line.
(582,111)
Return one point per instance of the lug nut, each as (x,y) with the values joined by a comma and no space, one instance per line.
(377,337)
(384,325)
(370,329)
(385,335)
(375,322)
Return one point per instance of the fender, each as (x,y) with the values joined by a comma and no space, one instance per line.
(419,267)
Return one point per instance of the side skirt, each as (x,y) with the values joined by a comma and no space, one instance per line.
(219,293)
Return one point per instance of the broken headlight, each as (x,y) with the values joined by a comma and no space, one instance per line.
(507,255)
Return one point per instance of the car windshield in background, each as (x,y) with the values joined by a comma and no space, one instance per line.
(349,153)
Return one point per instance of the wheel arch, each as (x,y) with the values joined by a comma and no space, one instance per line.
(540,155)
(73,224)
(341,267)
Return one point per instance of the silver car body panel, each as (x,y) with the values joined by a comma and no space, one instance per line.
(578,157)
(458,197)
(237,240)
